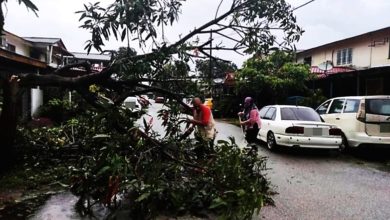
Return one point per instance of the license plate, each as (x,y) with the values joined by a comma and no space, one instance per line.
(313,131)
(317,131)
(385,128)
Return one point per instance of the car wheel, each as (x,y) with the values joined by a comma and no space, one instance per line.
(271,142)
(344,144)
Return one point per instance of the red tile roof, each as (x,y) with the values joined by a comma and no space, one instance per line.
(334,70)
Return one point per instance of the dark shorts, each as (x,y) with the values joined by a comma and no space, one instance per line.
(251,134)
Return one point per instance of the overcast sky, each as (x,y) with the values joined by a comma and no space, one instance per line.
(324,21)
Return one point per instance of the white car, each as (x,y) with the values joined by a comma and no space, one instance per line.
(296,126)
(364,120)
(132,103)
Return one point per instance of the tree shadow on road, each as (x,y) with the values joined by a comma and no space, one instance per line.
(371,154)
(298,152)
(366,154)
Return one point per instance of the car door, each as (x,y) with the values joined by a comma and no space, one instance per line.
(348,117)
(262,133)
(268,122)
(335,112)
(322,110)
(273,125)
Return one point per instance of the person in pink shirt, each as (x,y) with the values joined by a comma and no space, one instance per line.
(250,119)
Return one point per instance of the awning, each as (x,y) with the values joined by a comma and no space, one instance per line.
(335,70)
(16,63)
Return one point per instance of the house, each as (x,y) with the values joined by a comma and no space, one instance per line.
(359,65)
(50,50)
(33,55)
(98,61)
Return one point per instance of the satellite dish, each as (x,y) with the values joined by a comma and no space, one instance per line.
(325,66)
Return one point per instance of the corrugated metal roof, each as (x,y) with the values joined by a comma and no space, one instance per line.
(92,56)
(47,40)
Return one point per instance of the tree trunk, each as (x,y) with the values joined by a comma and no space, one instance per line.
(8,119)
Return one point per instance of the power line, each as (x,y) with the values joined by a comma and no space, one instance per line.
(303,5)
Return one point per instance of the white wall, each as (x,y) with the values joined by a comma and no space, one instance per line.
(21,46)
(36,100)
(364,53)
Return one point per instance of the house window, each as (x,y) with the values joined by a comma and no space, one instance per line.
(34,53)
(307,60)
(2,41)
(11,47)
(344,56)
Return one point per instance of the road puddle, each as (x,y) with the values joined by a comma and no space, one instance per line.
(62,206)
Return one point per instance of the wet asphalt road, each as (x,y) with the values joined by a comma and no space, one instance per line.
(321,184)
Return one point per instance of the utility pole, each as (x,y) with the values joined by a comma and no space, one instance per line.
(211,63)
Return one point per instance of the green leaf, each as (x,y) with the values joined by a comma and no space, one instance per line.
(217,202)
(103,170)
(123,34)
(101,136)
(82,16)
(29,5)
(240,192)
(143,197)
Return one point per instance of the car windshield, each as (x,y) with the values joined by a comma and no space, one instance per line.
(299,114)
(378,106)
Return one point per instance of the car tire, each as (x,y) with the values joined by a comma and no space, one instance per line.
(271,141)
(344,144)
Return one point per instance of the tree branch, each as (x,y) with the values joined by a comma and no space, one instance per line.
(208,24)
(90,97)
(162,147)
(169,94)
(212,57)
(29,80)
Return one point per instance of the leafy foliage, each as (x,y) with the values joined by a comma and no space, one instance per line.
(271,78)
(29,5)
(252,19)
(314,99)
(155,176)
(122,18)
(220,68)
(55,109)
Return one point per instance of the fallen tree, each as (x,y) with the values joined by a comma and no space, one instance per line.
(252,23)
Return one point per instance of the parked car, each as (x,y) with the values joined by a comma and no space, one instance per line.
(132,103)
(159,99)
(296,126)
(364,120)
